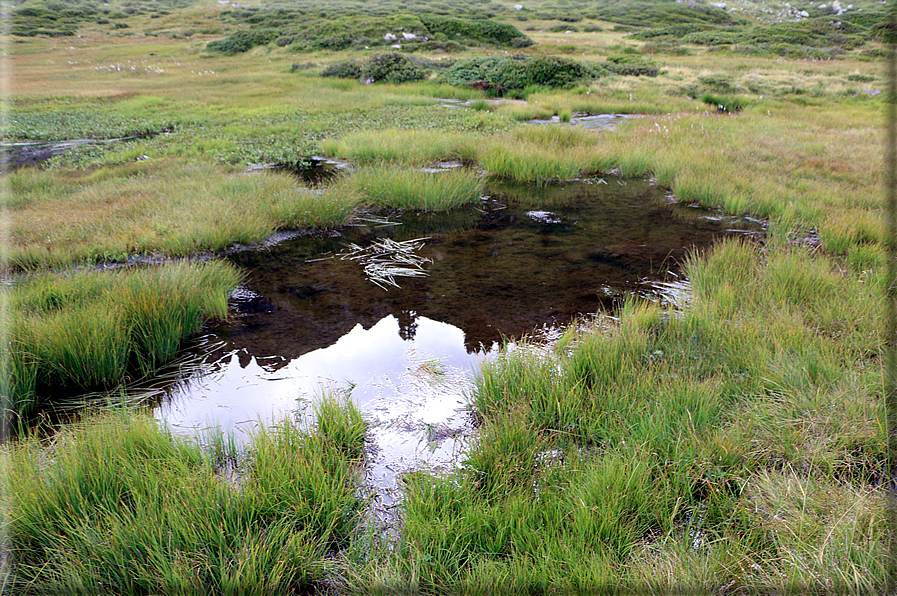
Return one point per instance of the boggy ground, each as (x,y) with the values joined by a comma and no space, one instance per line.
(734,440)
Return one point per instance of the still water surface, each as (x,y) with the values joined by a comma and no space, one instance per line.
(310,319)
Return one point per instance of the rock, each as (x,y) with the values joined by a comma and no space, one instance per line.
(872,92)
(518,7)
(396,46)
(804,14)
(409,35)
(389,37)
(721,5)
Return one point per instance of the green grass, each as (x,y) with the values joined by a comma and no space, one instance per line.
(751,415)
(120,504)
(602,460)
(156,207)
(91,331)
(412,147)
(404,188)
(543,153)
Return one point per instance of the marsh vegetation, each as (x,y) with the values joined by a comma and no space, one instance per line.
(729,437)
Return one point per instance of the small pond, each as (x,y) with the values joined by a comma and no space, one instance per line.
(525,259)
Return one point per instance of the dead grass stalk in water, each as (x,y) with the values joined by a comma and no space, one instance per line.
(385,259)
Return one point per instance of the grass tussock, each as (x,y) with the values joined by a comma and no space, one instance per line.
(624,456)
(91,331)
(412,147)
(543,153)
(118,503)
(404,188)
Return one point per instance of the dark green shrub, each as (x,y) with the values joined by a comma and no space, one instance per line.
(711,38)
(481,31)
(392,67)
(562,28)
(635,66)
(717,82)
(723,103)
(349,69)
(297,66)
(335,42)
(243,41)
(494,73)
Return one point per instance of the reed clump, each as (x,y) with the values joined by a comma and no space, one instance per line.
(91,331)
(121,503)
(400,187)
(412,147)
(543,153)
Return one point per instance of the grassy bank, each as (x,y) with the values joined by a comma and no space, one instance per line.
(119,502)
(737,442)
(83,332)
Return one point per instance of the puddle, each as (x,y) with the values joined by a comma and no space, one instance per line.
(310,317)
(27,153)
(590,121)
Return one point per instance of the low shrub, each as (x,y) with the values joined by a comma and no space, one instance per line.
(389,67)
(496,74)
(723,103)
(348,69)
(243,41)
(634,66)
(717,82)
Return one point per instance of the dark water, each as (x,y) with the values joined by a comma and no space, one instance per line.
(524,257)
(310,320)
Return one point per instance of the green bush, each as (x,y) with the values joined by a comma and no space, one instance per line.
(243,41)
(717,82)
(723,103)
(632,66)
(481,30)
(711,38)
(517,72)
(390,67)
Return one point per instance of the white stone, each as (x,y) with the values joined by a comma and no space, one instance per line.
(518,7)
(409,35)
(389,37)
